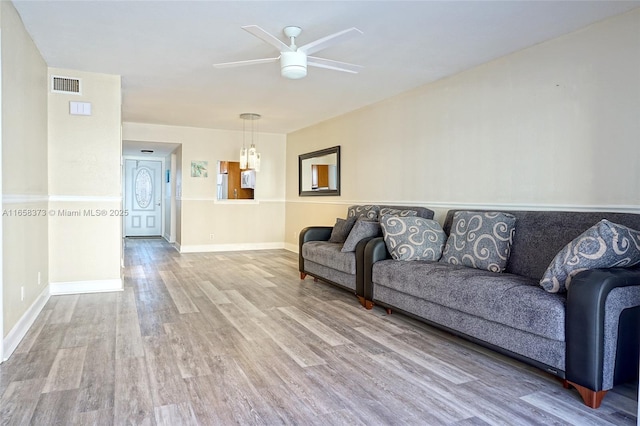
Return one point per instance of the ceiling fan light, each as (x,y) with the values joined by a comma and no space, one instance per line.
(293,65)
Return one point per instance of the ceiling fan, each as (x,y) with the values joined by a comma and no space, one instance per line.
(294,59)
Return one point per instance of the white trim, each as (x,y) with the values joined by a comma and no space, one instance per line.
(76,287)
(85,198)
(17,333)
(234,201)
(176,245)
(451,205)
(31,198)
(229,247)
(324,200)
(271,200)
(291,247)
(24,198)
(535,207)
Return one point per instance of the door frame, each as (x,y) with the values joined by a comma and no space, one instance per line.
(161,183)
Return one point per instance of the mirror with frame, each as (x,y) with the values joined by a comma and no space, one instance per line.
(319,172)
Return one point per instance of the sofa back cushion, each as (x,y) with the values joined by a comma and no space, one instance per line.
(372,212)
(540,235)
(369,212)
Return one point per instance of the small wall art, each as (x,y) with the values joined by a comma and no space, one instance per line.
(199,169)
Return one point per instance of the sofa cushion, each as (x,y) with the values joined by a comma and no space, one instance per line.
(362,229)
(329,254)
(368,212)
(604,245)
(480,240)
(503,298)
(412,238)
(341,230)
(397,212)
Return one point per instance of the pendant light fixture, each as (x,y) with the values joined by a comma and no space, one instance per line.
(249,158)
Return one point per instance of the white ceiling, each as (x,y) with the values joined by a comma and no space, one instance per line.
(164,50)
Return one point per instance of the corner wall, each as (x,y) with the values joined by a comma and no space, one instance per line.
(85,231)
(552,126)
(23,121)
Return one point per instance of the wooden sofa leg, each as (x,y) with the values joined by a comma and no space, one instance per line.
(361,300)
(591,398)
(315,280)
(388,311)
(303,275)
(368,304)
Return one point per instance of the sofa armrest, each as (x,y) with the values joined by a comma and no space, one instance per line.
(311,233)
(374,251)
(360,268)
(601,339)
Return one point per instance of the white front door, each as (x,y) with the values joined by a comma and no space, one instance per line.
(143,198)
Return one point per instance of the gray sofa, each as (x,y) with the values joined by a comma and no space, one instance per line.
(588,337)
(325,261)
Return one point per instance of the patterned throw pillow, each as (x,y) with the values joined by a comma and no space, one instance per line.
(397,212)
(480,240)
(341,230)
(604,245)
(362,229)
(412,238)
(368,212)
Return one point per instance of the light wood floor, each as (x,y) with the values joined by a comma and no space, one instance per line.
(237,338)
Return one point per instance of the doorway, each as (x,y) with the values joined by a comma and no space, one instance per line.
(143,198)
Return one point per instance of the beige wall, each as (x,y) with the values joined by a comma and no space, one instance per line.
(85,175)
(24,167)
(234,224)
(554,125)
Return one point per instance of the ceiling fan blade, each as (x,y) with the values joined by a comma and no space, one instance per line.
(243,63)
(333,65)
(267,38)
(329,40)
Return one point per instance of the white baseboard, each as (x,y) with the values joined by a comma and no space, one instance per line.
(21,328)
(75,287)
(291,247)
(229,247)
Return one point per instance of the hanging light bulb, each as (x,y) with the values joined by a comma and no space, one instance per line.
(249,158)
(243,158)
(243,150)
(252,157)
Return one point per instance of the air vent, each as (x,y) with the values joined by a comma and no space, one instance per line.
(65,85)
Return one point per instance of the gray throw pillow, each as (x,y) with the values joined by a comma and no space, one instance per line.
(368,212)
(412,238)
(362,229)
(341,230)
(604,245)
(480,240)
(397,212)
